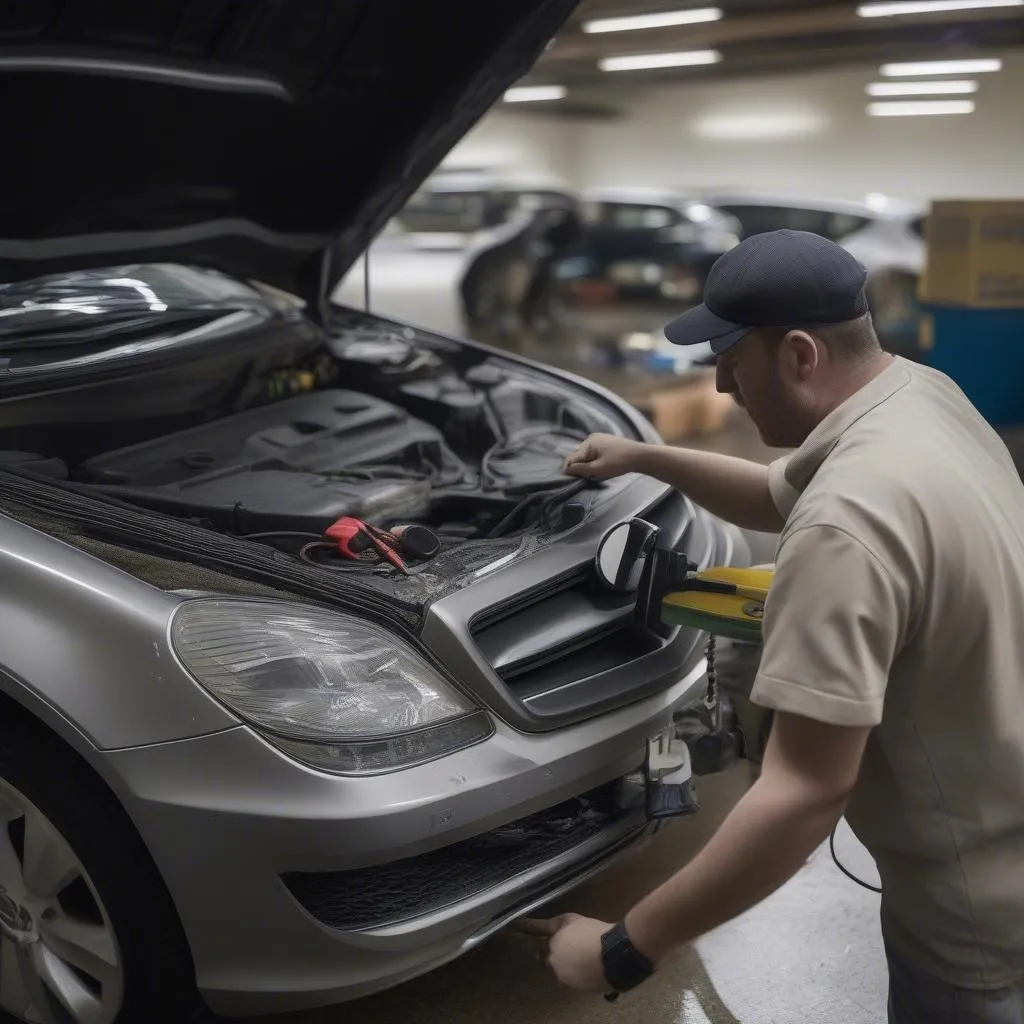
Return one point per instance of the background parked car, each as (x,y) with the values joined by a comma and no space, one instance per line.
(887,239)
(474,253)
(647,245)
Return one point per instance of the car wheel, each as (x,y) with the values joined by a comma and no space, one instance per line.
(88,933)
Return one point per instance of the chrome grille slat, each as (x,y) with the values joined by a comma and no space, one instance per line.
(571,630)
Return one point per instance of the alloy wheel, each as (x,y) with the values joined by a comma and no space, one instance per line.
(59,958)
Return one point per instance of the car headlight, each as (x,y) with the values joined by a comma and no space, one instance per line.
(338,693)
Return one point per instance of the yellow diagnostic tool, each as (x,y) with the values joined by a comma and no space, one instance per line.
(723,601)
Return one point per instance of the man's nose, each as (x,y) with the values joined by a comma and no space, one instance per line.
(725,383)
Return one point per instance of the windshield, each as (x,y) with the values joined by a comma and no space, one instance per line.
(757,218)
(632,216)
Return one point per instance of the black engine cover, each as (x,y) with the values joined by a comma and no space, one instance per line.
(295,465)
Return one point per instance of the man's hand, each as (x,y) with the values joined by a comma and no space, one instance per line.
(603,456)
(574,949)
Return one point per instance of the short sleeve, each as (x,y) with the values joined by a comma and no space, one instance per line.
(835,621)
(783,493)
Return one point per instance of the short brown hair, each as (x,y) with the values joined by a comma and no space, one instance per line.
(851,341)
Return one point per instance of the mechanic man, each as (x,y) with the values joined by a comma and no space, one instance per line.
(892,653)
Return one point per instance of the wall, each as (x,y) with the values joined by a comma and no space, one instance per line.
(800,134)
(521,143)
(810,134)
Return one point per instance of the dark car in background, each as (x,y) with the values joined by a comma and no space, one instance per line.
(647,245)
(474,252)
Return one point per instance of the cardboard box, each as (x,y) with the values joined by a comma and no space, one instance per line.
(691,409)
(975,254)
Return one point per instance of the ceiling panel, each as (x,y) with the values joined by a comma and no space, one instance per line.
(760,36)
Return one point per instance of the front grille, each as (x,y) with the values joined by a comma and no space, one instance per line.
(388,894)
(573,634)
(574,630)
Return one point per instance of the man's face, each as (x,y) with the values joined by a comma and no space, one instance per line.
(750,372)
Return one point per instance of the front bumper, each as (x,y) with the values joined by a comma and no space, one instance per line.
(227,816)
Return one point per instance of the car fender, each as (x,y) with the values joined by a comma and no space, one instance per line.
(84,646)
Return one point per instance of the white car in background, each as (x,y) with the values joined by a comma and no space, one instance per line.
(463,257)
(887,238)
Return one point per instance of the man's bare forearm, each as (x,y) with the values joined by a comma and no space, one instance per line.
(761,845)
(810,770)
(732,489)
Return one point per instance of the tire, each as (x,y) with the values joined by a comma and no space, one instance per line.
(107,896)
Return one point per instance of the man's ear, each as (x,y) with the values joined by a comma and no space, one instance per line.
(800,355)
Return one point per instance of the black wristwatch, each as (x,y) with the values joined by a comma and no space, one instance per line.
(625,966)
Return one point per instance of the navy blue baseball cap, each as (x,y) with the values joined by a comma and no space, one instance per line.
(777,279)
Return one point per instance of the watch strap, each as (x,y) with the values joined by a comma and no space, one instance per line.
(625,967)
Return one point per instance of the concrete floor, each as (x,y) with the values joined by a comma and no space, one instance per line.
(810,954)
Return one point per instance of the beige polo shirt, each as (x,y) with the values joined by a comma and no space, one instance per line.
(898,603)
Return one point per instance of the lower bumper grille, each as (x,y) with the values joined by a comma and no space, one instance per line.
(388,894)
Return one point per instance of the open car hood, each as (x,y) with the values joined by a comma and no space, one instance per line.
(269,140)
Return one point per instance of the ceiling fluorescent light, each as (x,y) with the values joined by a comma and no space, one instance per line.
(963,88)
(942,67)
(901,7)
(759,124)
(535,93)
(921,108)
(665,19)
(643,61)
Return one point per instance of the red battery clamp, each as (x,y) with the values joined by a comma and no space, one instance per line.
(354,538)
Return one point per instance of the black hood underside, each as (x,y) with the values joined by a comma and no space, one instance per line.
(271,140)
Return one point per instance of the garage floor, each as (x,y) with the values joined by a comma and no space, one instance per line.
(811,954)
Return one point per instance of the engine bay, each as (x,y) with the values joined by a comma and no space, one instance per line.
(393,429)
(299,465)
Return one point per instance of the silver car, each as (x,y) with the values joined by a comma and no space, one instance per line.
(253,758)
(469,255)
